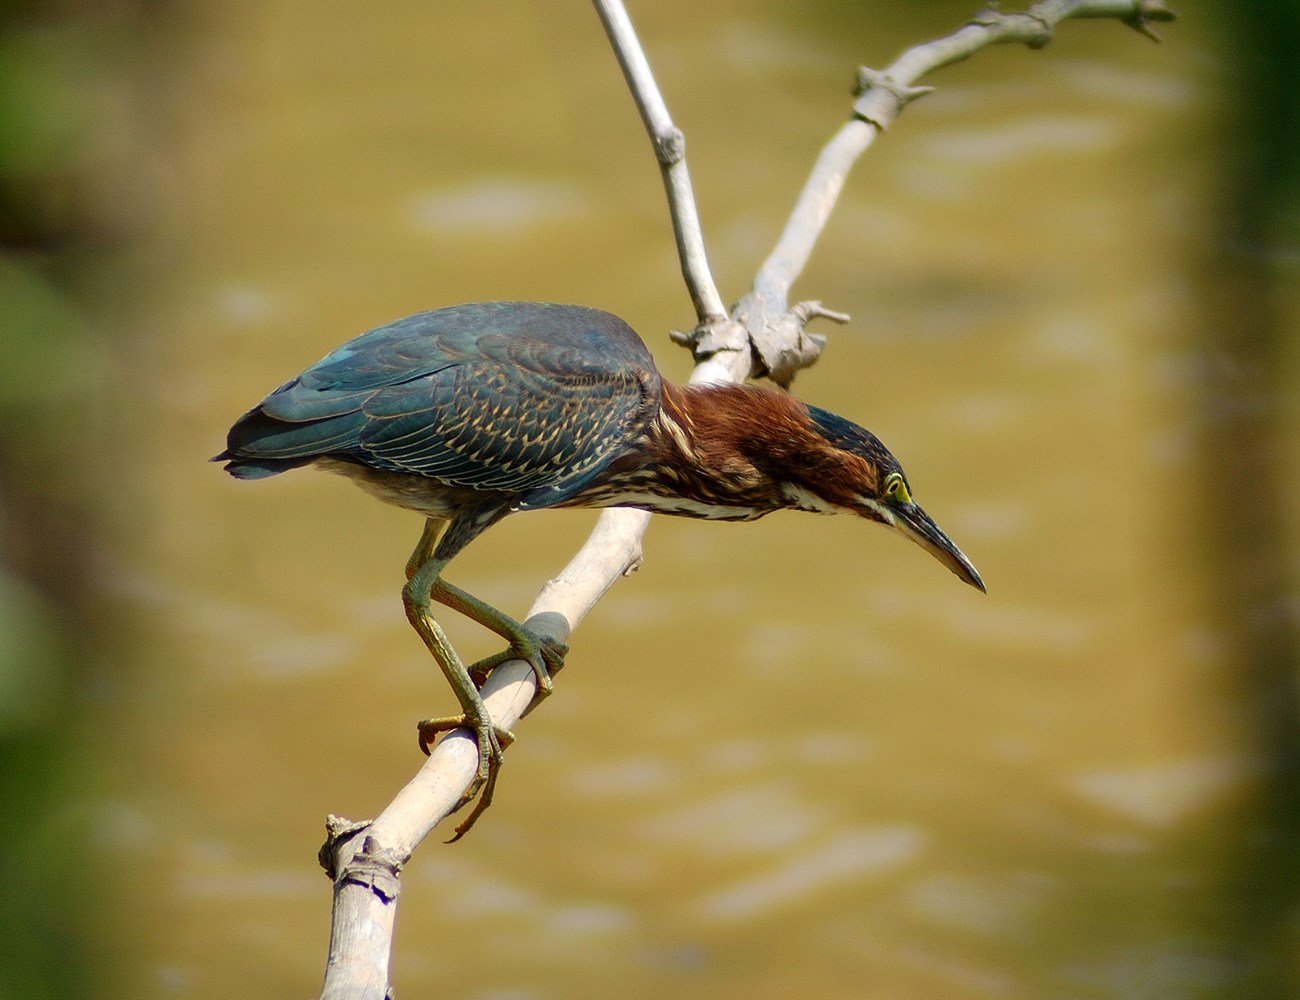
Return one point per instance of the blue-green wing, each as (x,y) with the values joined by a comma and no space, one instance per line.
(515,397)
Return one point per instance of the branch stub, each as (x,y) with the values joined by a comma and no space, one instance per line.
(782,344)
(715,334)
(880,97)
(338,831)
(670,146)
(377,868)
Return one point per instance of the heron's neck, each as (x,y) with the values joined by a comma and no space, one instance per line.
(728,452)
(719,427)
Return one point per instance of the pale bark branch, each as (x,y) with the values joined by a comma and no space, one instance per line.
(670,150)
(365,859)
(781,345)
(762,335)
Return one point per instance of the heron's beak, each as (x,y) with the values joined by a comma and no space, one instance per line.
(916,524)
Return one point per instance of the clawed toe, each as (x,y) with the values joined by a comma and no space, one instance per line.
(484,789)
(492,741)
(545,656)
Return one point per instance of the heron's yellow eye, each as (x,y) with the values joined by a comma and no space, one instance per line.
(896,488)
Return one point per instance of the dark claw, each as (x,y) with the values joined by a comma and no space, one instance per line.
(545,656)
(492,741)
(489,785)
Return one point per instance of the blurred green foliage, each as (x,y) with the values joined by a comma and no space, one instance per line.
(60,69)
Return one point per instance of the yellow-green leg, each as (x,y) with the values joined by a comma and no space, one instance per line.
(544,655)
(433,528)
(424,583)
(492,739)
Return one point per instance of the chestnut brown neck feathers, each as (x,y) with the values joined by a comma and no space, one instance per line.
(737,452)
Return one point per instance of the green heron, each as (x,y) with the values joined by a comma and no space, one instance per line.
(470,413)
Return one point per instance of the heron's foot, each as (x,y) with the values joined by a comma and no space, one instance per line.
(492,741)
(545,656)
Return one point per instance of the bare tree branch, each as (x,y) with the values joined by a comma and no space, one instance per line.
(670,150)
(365,860)
(763,335)
(781,345)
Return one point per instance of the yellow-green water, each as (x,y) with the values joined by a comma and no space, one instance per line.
(793,757)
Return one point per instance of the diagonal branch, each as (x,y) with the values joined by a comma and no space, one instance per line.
(762,336)
(881,96)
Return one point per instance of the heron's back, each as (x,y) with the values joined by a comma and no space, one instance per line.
(505,397)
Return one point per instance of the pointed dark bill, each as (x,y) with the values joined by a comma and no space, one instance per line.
(917,525)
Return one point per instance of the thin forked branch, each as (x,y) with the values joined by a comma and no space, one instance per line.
(763,335)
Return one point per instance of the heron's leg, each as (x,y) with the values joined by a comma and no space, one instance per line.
(433,528)
(544,655)
(492,739)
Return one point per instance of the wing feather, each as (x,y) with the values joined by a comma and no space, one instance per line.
(521,398)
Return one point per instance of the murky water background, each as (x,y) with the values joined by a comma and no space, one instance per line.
(789,757)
